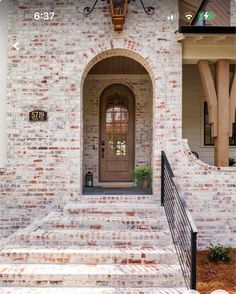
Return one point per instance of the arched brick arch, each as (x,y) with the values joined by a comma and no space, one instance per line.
(119,52)
(111,53)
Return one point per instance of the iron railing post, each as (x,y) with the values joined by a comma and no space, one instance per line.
(162,179)
(194,260)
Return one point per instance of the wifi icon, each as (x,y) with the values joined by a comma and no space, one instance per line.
(188,15)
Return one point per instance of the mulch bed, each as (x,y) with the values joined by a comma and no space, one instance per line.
(214,276)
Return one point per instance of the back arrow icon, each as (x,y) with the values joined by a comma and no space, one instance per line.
(15,46)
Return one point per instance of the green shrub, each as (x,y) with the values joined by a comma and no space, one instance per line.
(219,253)
(142,174)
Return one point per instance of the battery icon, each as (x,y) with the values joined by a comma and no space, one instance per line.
(206,15)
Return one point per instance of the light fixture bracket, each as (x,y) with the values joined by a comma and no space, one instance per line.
(149,10)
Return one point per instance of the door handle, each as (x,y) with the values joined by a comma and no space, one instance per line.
(103,151)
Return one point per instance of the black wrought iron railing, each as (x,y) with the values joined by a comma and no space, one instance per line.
(182,227)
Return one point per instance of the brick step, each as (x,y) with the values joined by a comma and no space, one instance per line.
(73,237)
(59,220)
(98,255)
(30,275)
(73,290)
(134,209)
(120,198)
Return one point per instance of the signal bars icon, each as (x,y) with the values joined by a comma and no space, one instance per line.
(188,15)
(170,17)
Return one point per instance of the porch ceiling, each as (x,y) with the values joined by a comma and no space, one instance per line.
(118,65)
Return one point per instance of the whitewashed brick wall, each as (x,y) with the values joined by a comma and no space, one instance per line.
(232,12)
(44,168)
(3,69)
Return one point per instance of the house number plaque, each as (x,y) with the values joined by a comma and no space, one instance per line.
(38,115)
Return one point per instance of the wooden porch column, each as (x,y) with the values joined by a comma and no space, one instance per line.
(210,94)
(232,107)
(222,140)
(219,102)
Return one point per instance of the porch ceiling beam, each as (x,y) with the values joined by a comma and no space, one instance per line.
(197,38)
(232,107)
(210,93)
(207,47)
(221,38)
(192,54)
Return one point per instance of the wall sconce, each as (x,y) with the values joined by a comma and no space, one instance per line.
(119,9)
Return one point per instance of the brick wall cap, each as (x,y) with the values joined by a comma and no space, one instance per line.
(202,164)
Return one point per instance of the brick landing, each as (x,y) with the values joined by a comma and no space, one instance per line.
(103,245)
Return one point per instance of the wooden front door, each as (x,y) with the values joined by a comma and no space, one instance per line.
(116,134)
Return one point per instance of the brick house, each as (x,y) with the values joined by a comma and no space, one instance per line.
(116,97)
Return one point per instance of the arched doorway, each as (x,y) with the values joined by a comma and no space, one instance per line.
(117,130)
(117,120)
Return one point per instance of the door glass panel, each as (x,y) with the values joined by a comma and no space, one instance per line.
(117,130)
(120,147)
